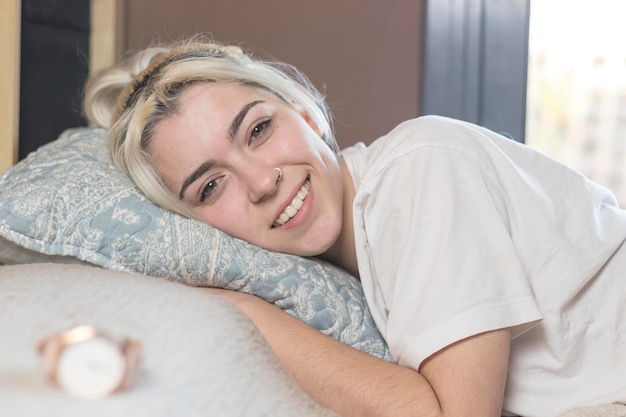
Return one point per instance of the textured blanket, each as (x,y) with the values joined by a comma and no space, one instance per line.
(200,356)
(607,410)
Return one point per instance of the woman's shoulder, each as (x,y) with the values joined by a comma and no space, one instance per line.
(417,137)
(421,139)
(437,131)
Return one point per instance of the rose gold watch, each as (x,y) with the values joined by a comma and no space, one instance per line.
(87,363)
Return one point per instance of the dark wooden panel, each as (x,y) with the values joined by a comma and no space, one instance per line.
(53,70)
(68,14)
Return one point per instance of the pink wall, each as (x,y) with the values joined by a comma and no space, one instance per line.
(365,53)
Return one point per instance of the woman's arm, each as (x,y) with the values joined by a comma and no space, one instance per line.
(465,379)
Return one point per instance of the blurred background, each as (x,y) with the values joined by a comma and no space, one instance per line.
(550,73)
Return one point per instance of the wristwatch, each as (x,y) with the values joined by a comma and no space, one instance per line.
(87,363)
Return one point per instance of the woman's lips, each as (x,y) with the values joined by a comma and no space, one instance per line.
(293,207)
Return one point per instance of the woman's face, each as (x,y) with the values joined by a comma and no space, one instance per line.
(219,152)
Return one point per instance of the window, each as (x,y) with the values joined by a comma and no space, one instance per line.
(576,103)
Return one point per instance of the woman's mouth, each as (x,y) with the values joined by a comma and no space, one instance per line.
(293,207)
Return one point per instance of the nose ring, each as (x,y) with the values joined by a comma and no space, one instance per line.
(280,175)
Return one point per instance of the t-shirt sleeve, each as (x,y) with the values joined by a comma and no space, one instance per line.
(443,263)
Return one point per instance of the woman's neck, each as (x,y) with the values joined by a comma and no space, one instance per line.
(342,253)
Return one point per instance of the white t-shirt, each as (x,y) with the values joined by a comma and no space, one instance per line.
(459,231)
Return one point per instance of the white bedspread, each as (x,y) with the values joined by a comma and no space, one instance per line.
(201,357)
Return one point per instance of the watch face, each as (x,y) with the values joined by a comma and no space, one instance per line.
(91,369)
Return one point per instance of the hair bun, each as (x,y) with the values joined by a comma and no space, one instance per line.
(103,89)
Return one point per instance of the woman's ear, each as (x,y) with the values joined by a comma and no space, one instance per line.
(310,122)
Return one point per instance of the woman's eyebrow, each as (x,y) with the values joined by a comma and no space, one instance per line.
(194,176)
(232,132)
(236,123)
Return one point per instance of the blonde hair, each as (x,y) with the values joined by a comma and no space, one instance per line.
(131,98)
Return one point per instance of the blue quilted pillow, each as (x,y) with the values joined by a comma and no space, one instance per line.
(67,200)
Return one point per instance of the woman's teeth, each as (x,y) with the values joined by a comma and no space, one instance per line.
(294,206)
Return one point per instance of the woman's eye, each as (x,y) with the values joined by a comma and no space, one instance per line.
(209,189)
(259,130)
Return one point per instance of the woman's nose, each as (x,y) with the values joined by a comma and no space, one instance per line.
(263,183)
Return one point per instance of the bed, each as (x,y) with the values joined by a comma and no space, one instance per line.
(80,245)
(199,355)
(69,222)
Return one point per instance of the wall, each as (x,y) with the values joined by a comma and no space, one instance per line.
(363,53)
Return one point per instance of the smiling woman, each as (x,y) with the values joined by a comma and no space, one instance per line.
(467,245)
(212,110)
(152,82)
(219,154)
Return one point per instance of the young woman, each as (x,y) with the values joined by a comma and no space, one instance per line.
(495,274)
